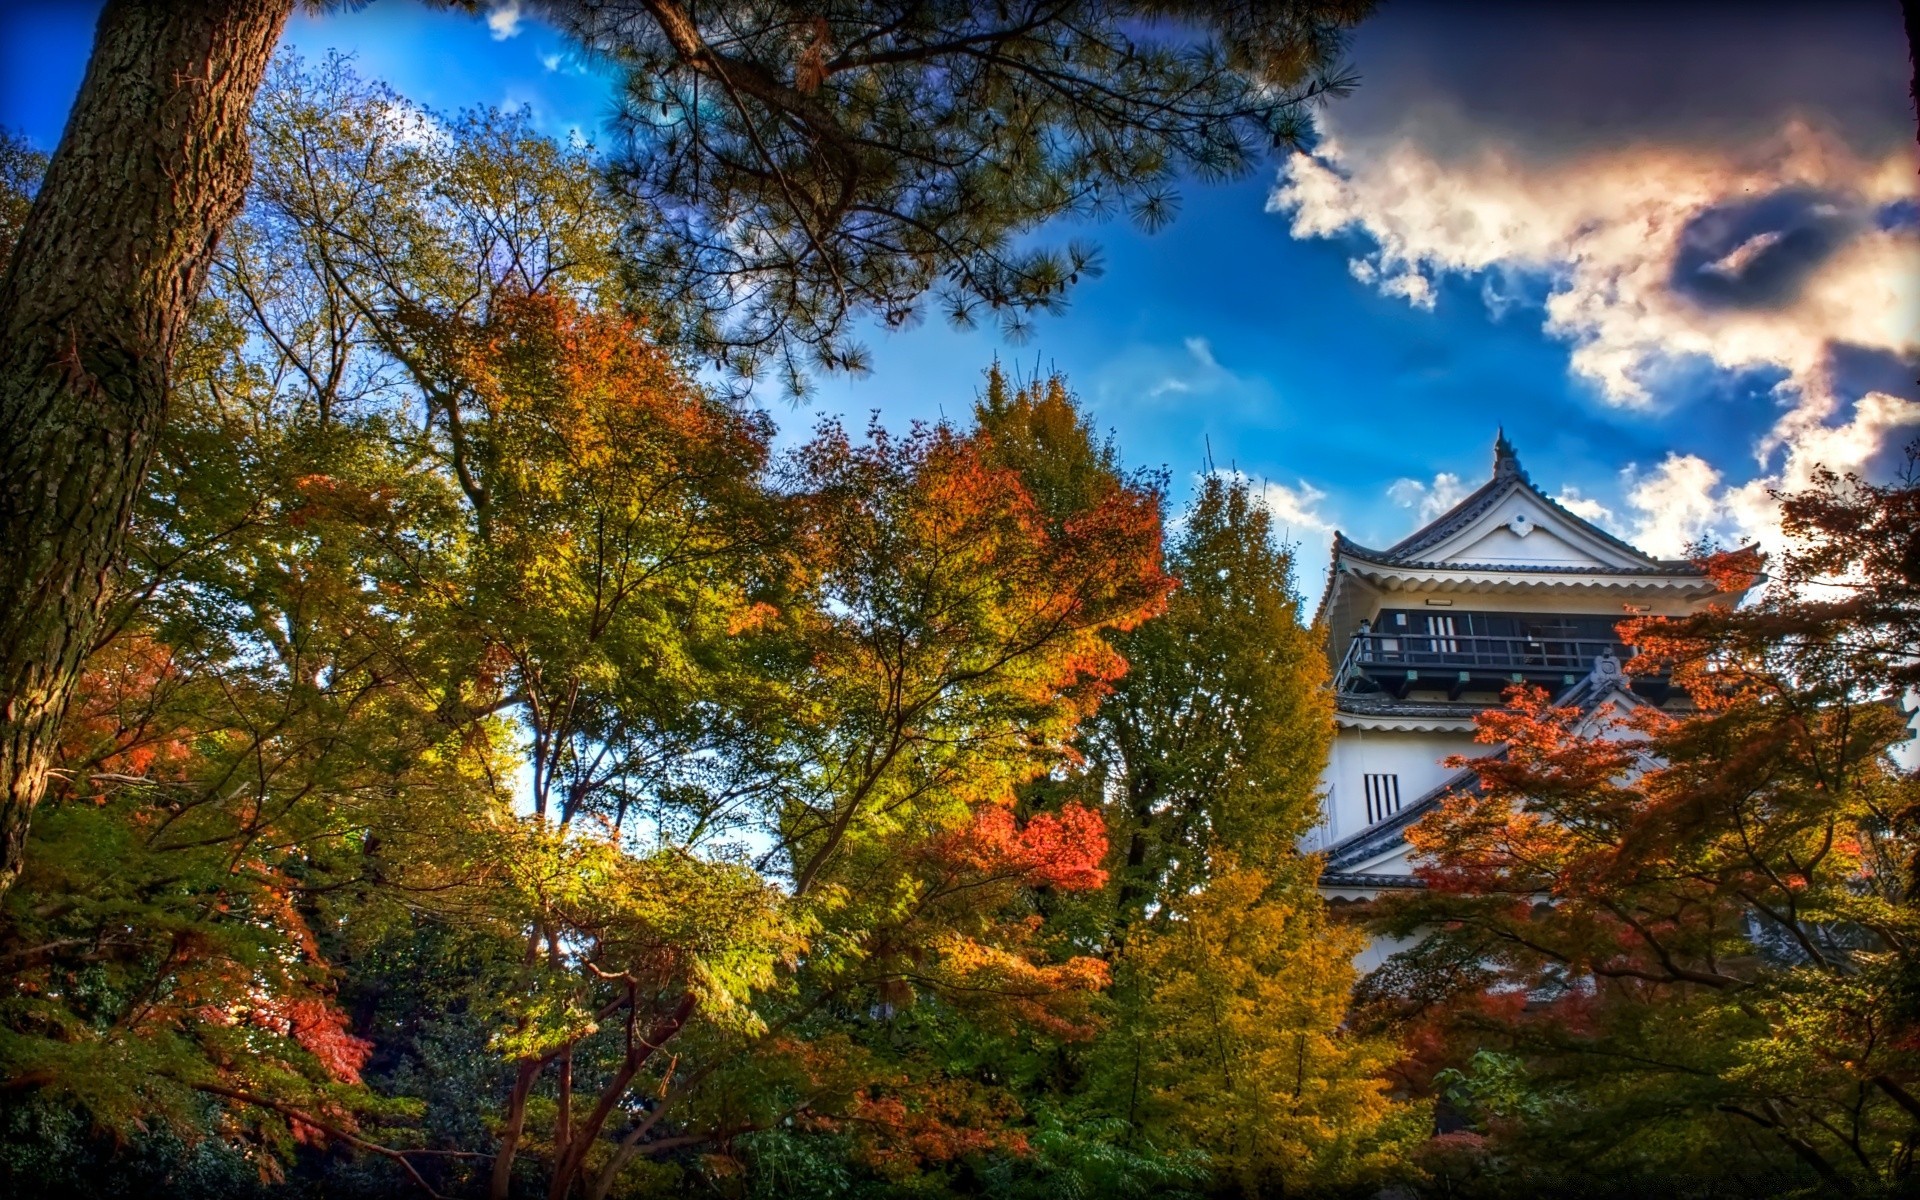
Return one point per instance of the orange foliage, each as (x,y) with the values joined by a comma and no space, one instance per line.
(115,723)
(901,1126)
(1734,571)
(589,388)
(321,1030)
(1062,850)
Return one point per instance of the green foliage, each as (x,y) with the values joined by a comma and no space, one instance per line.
(1216,736)
(504,772)
(21,167)
(1494,1086)
(1223,1064)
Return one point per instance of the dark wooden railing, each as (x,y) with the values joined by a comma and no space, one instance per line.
(1484,650)
(1398,663)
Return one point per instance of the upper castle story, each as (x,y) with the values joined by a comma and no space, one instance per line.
(1505,587)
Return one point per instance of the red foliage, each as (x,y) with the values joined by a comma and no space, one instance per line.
(1062,850)
(901,1128)
(1733,571)
(321,1030)
(116,723)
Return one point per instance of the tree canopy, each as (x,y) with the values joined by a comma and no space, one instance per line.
(788,170)
(502,772)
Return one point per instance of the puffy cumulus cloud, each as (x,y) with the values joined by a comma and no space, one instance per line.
(1676,504)
(1295,508)
(1587,508)
(1685,500)
(1429,499)
(1774,257)
(1877,423)
(1760,258)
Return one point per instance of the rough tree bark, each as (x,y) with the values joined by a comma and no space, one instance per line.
(150,170)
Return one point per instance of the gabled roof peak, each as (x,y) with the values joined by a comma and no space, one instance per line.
(1508,478)
(1506,463)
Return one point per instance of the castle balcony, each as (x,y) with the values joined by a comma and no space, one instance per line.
(1394,663)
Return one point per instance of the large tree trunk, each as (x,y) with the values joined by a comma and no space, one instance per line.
(151,169)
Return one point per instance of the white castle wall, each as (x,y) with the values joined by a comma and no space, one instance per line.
(1414,757)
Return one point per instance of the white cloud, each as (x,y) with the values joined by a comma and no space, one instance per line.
(1655,260)
(552,61)
(1608,230)
(1675,503)
(1430,499)
(1587,508)
(1170,372)
(1296,508)
(503,19)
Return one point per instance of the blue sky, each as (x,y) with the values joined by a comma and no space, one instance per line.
(1665,246)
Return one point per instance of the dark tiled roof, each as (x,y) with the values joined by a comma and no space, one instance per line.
(1393,558)
(1376,840)
(1382,705)
(1367,879)
(1506,471)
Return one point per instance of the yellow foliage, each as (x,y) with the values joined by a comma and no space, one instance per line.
(1236,1001)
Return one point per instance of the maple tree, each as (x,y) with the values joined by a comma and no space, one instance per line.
(1699,918)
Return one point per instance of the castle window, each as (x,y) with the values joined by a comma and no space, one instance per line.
(1383,797)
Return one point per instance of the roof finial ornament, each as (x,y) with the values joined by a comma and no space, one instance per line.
(1505,462)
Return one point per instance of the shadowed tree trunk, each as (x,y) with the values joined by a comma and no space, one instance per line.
(151,168)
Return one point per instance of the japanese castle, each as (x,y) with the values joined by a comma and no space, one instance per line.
(1506,587)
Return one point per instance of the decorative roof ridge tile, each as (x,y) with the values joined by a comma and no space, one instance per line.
(1507,471)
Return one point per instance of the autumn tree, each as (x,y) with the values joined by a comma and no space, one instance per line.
(1700,920)
(1232,1038)
(1214,740)
(841,164)
(1231,982)
(464,618)
(94,302)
